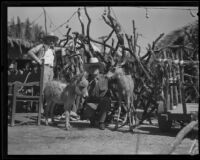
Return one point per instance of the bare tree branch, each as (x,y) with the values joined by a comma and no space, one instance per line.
(82,25)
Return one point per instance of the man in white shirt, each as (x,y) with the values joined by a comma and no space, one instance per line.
(46,51)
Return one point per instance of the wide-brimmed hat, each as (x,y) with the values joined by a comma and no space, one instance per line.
(94,62)
(50,37)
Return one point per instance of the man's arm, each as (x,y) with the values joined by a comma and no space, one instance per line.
(32,53)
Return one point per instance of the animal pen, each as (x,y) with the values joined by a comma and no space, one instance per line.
(175,106)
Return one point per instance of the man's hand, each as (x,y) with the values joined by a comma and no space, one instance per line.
(40,62)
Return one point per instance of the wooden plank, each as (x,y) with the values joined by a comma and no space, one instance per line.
(30,84)
(24,97)
(179,117)
(174,88)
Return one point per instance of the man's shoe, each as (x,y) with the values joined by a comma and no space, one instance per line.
(101,126)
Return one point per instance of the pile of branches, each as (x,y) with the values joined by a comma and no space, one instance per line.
(147,72)
(146,79)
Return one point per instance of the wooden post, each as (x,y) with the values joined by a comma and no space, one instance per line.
(15,87)
(170,80)
(166,88)
(41,83)
(178,73)
(175,92)
(182,82)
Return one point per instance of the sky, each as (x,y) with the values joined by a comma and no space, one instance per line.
(160,20)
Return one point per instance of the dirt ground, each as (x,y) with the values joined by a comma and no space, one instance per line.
(82,139)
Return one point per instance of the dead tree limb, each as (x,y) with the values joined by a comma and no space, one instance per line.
(82,25)
(134,34)
(137,59)
(109,36)
(67,36)
(179,138)
(157,39)
(88,25)
(95,41)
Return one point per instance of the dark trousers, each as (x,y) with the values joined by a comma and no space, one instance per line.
(102,109)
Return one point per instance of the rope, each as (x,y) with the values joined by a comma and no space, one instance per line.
(51,22)
(65,22)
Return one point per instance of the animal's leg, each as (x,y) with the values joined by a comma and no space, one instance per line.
(126,116)
(130,114)
(150,122)
(47,111)
(67,116)
(119,112)
(52,115)
(132,121)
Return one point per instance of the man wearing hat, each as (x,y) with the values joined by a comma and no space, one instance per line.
(46,51)
(97,92)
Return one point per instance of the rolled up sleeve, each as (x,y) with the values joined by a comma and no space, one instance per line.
(35,49)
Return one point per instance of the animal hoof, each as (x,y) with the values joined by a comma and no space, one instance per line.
(67,128)
(131,128)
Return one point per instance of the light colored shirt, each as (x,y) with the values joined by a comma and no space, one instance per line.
(41,50)
(49,57)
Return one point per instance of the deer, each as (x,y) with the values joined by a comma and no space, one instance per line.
(57,92)
(125,90)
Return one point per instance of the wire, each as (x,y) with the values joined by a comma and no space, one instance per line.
(36,18)
(65,22)
(51,22)
(116,17)
(71,18)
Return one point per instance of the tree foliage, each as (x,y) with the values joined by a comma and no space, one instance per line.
(24,30)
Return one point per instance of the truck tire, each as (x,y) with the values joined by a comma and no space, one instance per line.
(163,123)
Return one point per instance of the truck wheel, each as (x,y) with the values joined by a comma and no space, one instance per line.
(163,123)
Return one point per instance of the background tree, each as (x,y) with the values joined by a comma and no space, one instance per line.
(28,30)
(12,28)
(24,30)
(18,28)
